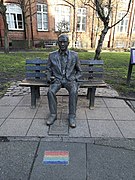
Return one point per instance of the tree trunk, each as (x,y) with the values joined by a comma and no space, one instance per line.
(100,43)
(28,33)
(6,43)
(92,30)
(24,24)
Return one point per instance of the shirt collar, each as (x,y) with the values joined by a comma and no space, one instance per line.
(65,53)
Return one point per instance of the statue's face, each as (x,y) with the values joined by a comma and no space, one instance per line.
(63,43)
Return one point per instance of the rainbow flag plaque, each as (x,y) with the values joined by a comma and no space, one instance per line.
(56,158)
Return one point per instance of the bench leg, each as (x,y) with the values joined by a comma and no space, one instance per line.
(37,91)
(33,96)
(91,97)
(88,93)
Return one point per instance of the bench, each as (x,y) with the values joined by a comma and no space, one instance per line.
(92,77)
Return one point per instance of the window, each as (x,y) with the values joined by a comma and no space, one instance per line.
(78,44)
(42,17)
(14,17)
(123,25)
(81,19)
(120,44)
(62,18)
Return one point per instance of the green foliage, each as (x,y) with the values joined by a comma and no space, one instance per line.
(116,70)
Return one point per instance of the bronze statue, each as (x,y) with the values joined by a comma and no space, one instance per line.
(63,71)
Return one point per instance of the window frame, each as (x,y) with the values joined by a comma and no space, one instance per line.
(122,26)
(12,14)
(81,16)
(42,13)
(62,15)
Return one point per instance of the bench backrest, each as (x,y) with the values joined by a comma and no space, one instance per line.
(35,69)
(91,69)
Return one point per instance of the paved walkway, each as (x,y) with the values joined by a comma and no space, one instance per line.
(111,117)
(101,147)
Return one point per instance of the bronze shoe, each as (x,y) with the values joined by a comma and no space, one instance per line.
(72,121)
(51,119)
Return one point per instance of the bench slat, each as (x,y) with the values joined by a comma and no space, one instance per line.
(35,75)
(92,62)
(36,68)
(91,69)
(36,61)
(92,75)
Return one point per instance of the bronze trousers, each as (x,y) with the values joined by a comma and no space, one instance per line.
(72,88)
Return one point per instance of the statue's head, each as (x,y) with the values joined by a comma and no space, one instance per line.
(63,42)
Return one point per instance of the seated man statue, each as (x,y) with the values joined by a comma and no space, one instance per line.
(63,71)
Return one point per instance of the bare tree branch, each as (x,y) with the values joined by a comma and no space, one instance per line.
(123,16)
(104,9)
(69,3)
(87,3)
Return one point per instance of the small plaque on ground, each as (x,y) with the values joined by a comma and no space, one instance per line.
(59,128)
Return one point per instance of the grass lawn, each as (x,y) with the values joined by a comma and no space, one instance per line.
(12,68)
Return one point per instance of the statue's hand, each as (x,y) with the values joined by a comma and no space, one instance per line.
(50,79)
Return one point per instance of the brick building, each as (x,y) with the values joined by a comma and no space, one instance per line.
(41,21)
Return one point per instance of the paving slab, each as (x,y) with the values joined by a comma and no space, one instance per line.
(44,100)
(5,111)
(107,92)
(82,102)
(128,144)
(115,103)
(122,113)
(81,130)
(10,101)
(16,159)
(1,121)
(133,103)
(79,140)
(42,112)
(52,139)
(99,102)
(107,163)
(15,127)
(76,170)
(127,128)
(23,112)
(104,128)
(99,114)
(81,113)
(38,128)
(26,101)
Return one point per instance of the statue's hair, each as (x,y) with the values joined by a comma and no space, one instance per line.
(64,35)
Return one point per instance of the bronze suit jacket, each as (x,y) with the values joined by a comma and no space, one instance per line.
(73,68)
